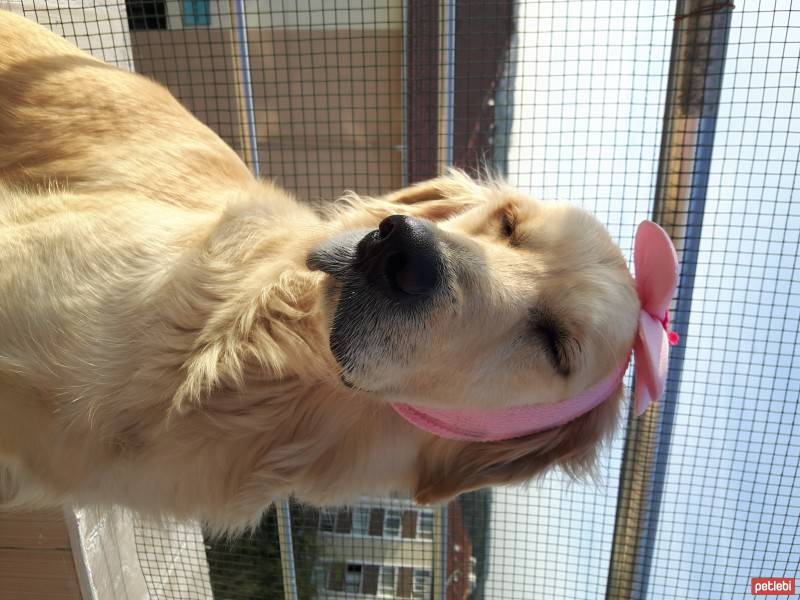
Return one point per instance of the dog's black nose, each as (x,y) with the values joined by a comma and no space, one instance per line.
(402,257)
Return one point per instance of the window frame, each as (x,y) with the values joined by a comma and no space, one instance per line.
(383,570)
(429,516)
(423,591)
(393,512)
(347,582)
(195,13)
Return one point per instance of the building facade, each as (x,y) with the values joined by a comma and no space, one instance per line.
(386,548)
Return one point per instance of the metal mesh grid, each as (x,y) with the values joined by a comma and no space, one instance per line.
(571,106)
(730,487)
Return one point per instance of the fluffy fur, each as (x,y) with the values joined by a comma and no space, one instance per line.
(165,330)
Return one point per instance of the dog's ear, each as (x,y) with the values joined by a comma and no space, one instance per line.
(440,198)
(272,333)
(448,468)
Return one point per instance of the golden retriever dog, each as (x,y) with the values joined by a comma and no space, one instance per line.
(181,338)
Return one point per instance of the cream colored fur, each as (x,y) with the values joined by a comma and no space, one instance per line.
(163,344)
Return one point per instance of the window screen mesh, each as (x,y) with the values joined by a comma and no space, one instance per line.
(567,100)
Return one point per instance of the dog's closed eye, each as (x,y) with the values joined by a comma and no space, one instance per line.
(549,333)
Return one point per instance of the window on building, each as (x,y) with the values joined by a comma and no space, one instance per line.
(356,578)
(327,518)
(366,521)
(146,14)
(392,523)
(387,583)
(425,528)
(196,13)
(352,578)
(360,520)
(421,589)
(380,581)
(355,521)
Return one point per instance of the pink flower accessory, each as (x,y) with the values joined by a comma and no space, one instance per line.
(656,266)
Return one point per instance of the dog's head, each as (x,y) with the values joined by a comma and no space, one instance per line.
(459,294)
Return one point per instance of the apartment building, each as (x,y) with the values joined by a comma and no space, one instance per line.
(386,549)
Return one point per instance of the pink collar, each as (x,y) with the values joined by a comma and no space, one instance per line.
(656,265)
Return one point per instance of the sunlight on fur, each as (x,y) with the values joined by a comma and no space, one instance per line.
(184,340)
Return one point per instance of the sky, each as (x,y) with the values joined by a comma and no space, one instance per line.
(588,108)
